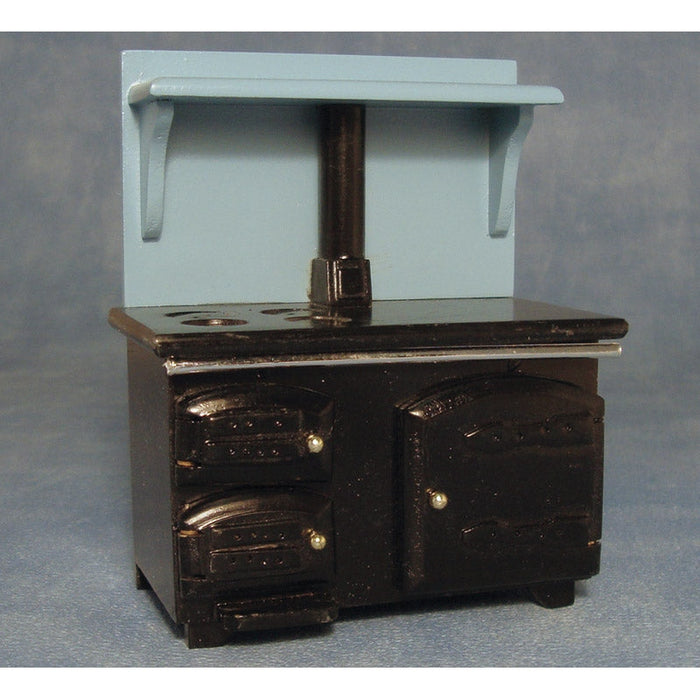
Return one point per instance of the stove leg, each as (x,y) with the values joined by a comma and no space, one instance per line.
(141,581)
(553,594)
(201,635)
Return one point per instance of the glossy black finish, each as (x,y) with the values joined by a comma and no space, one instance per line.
(278,495)
(521,459)
(340,275)
(255,330)
(342,181)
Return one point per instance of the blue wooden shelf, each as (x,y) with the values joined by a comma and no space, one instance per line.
(234,133)
(377,92)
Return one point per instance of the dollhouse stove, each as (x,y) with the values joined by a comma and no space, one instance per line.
(335,399)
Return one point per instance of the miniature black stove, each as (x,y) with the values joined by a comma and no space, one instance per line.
(291,460)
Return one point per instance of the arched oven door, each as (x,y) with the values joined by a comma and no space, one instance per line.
(502,484)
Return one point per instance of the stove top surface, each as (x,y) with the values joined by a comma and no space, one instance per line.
(249,329)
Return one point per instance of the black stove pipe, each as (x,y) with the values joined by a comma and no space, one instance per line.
(340,275)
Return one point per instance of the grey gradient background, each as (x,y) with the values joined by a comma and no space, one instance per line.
(607,215)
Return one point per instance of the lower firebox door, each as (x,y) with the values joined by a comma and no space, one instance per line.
(502,484)
(255,560)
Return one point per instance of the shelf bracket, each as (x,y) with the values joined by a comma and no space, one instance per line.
(155,120)
(509,127)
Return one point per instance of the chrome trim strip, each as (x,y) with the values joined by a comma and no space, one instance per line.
(501,352)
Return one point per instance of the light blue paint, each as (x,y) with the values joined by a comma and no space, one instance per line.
(221,204)
(155,121)
(347,90)
(508,128)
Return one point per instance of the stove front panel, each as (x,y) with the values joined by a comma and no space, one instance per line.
(515,448)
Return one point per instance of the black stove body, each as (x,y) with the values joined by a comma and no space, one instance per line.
(333,466)
(292,460)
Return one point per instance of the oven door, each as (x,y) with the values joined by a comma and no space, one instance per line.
(502,484)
